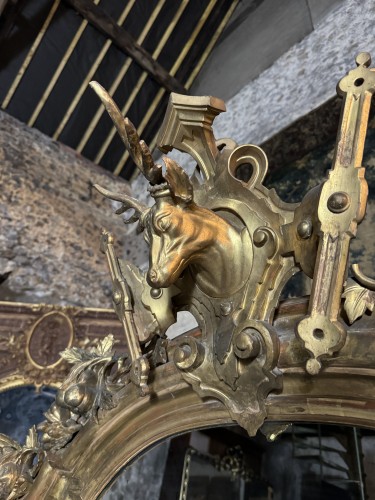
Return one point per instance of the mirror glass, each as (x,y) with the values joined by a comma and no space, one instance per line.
(283,462)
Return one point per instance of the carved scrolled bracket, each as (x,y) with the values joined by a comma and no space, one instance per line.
(228,245)
(187,126)
(250,362)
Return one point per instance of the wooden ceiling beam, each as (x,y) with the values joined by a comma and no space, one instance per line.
(9,10)
(104,23)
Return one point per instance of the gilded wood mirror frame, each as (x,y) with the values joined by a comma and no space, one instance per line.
(222,248)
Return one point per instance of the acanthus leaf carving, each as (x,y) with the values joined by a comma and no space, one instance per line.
(222,249)
(357,300)
(19,465)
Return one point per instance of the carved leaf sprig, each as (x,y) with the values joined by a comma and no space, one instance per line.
(32,438)
(8,445)
(137,149)
(75,355)
(105,346)
(357,300)
(178,181)
(78,355)
(58,428)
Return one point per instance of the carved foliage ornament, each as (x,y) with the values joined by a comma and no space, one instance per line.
(19,465)
(87,388)
(91,385)
(223,249)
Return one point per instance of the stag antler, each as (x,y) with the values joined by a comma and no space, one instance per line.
(128,203)
(138,149)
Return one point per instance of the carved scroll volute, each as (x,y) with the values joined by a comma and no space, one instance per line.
(187,126)
(341,208)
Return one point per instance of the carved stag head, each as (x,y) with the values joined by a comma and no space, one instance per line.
(170,234)
(180,233)
(168,231)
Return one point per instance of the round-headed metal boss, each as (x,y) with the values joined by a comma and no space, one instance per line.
(338,202)
(156,293)
(304,229)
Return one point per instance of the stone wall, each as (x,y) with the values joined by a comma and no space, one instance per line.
(259,32)
(51,219)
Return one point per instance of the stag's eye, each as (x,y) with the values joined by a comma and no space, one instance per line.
(163,223)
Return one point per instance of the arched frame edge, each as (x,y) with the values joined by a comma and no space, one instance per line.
(174,408)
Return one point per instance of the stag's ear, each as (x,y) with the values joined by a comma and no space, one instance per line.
(178,181)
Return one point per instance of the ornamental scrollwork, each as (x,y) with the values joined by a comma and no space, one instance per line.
(223,249)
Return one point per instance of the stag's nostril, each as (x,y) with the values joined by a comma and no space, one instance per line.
(153,275)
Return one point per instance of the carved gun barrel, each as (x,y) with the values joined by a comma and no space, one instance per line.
(124,309)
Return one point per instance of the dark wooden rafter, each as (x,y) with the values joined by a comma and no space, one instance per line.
(8,16)
(104,23)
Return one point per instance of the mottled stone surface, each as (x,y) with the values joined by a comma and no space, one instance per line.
(51,219)
(50,232)
(251,44)
(303,78)
(258,33)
